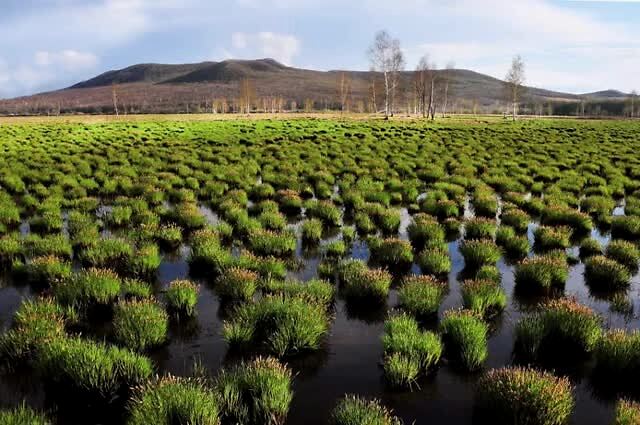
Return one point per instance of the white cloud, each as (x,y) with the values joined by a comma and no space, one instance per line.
(68,59)
(281,47)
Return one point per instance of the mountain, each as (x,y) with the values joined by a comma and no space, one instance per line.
(149,88)
(606,94)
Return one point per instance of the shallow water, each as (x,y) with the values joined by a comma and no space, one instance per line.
(350,361)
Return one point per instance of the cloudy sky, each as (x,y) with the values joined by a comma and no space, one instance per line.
(575,46)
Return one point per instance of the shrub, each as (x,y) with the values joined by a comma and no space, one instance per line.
(604,274)
(627,413)
(268,243)
(409,352)
(465,338)
(425,230)
(352,410)
(258,392)
(625,253)
(237,284)
(484,297)
(561,326)
(421,295)
(541,273)
(518,396)
(139,325)
(434,261)
(548,238)
(23,415)
(393,253)
(360,282)
(590,247)
(312,230)
(480,228)
(279,325)
(478,253)
(171,400)
(182,297)
(96,368)
(314,291)
(87,288)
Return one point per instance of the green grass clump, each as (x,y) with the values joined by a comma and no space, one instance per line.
(207,254)
(421,295)
(273,220)
(87,288)
(314,291)
(268,243)
(364,223)
(484,297)
(237,284)
(109,252)
(485,204)
(465,338)
(83,229)
(604,274)
(393,253)
(480,228)
(388,220)
(10,249)
(434,261)
(425,231)
(325,211)
(92,367)
(352,410)
(290,202)
(360,282)
(40,246)
(169,236)
(312,231)
(517,219)
(188,216)
(626,227)
(171,400)
(409,352)
(279,325)
(133,289)
(335,249)
(562,328)
(579,222)
(119,216)
(139,325)
(144,263)
(617,356)
(478,253)
(550,238)
(515,247)
(541,273)
(627,413)
(45,270)
(590,247)
(625,253)
(182,297)
(258,392)
(521,396)
(23,415)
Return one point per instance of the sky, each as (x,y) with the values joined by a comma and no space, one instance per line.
(575,46)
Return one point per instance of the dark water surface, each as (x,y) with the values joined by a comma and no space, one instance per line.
(350,361)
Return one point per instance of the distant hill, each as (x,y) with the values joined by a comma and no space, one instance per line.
(606,94)
(152,87)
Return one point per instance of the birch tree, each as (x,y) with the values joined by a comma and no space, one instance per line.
(446,77)
(514,83)
(386,57)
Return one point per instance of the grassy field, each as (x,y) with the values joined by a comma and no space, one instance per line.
(469,247)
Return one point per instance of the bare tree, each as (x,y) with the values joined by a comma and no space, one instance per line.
(514,83)
(247,96)
(446,77)
(114,96)
(422,70)
(632,100)
(344,91)
(386,57)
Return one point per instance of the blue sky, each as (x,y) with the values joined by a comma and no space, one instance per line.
(574,46)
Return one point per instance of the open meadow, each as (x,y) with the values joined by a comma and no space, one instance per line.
(319,271)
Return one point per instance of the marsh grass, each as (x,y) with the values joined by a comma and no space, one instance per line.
(335,249)
(44,270)
(409,352)
(625,253)
(170,400)
(478,253)
(561,329)
(590,247)
(140,325)
(360,282)
(325,211)
(237,284)
(520,396)
(258,392)
(421,296)
(88,288)
(182,297)
(627,413)
(109,252)
(133,289)
(425,230)
(23,415)
(604,274)
(392,253)
(312,231)
(465,338)
(480,228)
(434,261)
(353,410)
(617,358)
(484,297)
(550,238)
(314,291)
(517,219)
(278,325)
(626,227)
(541,274)
(268,243)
